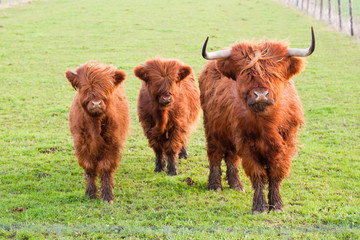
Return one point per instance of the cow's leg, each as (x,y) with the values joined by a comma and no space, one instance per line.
(91,189)
(159,161)
(277,171)
(259,201)
(258,177)
(106,169)
(274,197)
(107,185)
(183,153)
(89,165)
(172,149)
(232,172)
(215,156)
(172,164)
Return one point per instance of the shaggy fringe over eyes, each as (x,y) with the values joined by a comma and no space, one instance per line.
(97,77)
(265,59)
(160,68)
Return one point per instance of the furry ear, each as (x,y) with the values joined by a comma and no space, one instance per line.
(119,77)
(226,67)
(184,71)
(140,72)
(296,65)
(72,78)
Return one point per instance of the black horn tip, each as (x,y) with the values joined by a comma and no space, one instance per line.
(204,54)
(312,47)
(295,52)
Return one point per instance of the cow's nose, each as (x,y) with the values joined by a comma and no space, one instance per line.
(166,100)
(261,96)
(96,104)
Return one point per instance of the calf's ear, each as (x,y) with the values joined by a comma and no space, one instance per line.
(119,77)
(226,67)
(72,77)
(296,65)
(141,73)
(184,71)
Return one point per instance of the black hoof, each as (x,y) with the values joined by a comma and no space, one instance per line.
(172,172)
(214,187)
(183,153)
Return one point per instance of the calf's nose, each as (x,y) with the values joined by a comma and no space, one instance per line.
(96,104)
(166,100)
(261,95)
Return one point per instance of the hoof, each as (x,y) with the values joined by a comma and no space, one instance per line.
(255,212)
(92,197)
(239,189)
(109,202)
(91,194)
(108,196)
(172,169)
(183,156)
(277,210)
(237,186)
(159,169)
(259,209)
(183,153)
(214,188)
(172,172)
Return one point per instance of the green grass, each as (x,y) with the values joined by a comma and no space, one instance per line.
(42,187)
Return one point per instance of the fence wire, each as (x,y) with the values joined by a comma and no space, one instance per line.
(9,3)
(343,15)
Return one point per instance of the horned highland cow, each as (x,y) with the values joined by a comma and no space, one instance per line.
(99,121)
(168,108)
(252,114)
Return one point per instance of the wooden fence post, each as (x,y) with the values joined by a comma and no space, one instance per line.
(329,2)
(307,7)
(339,7)
(321,8)
(351,18)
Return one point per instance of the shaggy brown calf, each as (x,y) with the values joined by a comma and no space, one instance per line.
(168,107)
(252,112)
(99,121)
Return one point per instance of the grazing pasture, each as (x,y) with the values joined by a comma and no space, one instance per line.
(41,183)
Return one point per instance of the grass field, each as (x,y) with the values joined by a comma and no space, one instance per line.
(42,187)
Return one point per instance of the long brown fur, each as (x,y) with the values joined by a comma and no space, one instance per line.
(99,138)
(264,142)
(167,127)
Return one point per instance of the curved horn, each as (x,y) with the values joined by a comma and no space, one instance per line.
(222,54)
(73,72)
(294,52)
